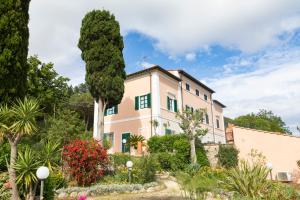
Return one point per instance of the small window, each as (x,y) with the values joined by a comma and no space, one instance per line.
(218,123)
(111,110)
(205,97)
(143,101)
(172,104)
(109,137)
(187,87)
(168,131)
(206,118)
(197,93)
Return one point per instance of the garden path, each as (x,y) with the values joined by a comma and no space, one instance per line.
(171,191)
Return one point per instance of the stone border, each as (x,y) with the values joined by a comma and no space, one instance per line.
(99,190)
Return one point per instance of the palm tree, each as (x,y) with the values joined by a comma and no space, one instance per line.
(15,122)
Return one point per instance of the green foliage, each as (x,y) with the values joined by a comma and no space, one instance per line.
(50,155)
(4,155)
(120,159)
(26,166)
(167,161)
(228,156)
(195,184)
(202,159)
(143,171)
(14,34)
(248,179)
(135,139)
(45,84)
(83,103)
(4,192)
(101,45)
(163,143)
(263,120)
(64,126)
(53,182)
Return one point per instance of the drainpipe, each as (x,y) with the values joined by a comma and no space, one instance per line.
(151,118)
(213,121)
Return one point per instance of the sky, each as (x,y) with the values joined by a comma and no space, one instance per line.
(247,51)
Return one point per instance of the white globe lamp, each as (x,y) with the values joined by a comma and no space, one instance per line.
(129,165)
(42,173)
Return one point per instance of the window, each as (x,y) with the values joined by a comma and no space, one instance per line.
(218,123)
(172,104)
(206,118)
(111,110)
(169,131)
(109,137)
(197,93)
(187,87)
(143,101)
(205,97)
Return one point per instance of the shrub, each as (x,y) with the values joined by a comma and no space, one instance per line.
(163,143)
(148,167)
(86,161)
(5,193)
(53,182)
(120,159)
(166,161)
(228,156)
(202,159)
(248,179)
(4,155)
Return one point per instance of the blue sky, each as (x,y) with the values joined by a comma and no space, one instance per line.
(247,51)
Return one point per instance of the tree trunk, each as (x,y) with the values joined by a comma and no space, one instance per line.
(12,171)
(100,131)
(193,151)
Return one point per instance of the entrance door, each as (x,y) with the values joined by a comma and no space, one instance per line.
(125,146)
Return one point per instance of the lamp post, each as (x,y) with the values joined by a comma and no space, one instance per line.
(124,142)
(42,173)
(270,167)
(129,165)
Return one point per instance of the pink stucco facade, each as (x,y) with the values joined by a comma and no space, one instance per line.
(161,86)
(280,150)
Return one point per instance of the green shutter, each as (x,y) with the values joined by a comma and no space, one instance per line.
(175,105)
(105,112)
(168,103)
(149,100)
(116,109)
(137,102)
(168,131)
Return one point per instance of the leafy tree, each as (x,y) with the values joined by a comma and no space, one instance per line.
(45,84)
(190,123)
(15,122)
(66,125)
(14,34)
(263,120)
(83,103)
(101,45)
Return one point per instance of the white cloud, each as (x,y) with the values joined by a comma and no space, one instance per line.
(190,56)
(179,27)
(146,65)
(270,86)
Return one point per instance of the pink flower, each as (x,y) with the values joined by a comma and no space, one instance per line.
(82,197)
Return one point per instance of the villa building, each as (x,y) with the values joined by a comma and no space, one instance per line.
(155,95)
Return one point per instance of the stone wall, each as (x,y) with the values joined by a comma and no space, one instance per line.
(211,152)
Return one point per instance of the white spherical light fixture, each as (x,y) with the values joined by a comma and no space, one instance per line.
(129,164)
(42,173)
(124,141)
(269,166)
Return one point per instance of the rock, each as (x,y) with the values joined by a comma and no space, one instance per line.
(73,194)
(62,195)
(151,189)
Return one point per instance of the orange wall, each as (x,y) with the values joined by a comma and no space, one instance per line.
(282,151)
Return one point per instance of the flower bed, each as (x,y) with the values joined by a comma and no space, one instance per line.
(98,190)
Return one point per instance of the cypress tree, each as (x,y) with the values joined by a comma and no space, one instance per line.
(101,44)
(14,35)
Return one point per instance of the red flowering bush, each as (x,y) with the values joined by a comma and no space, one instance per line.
(86,161)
